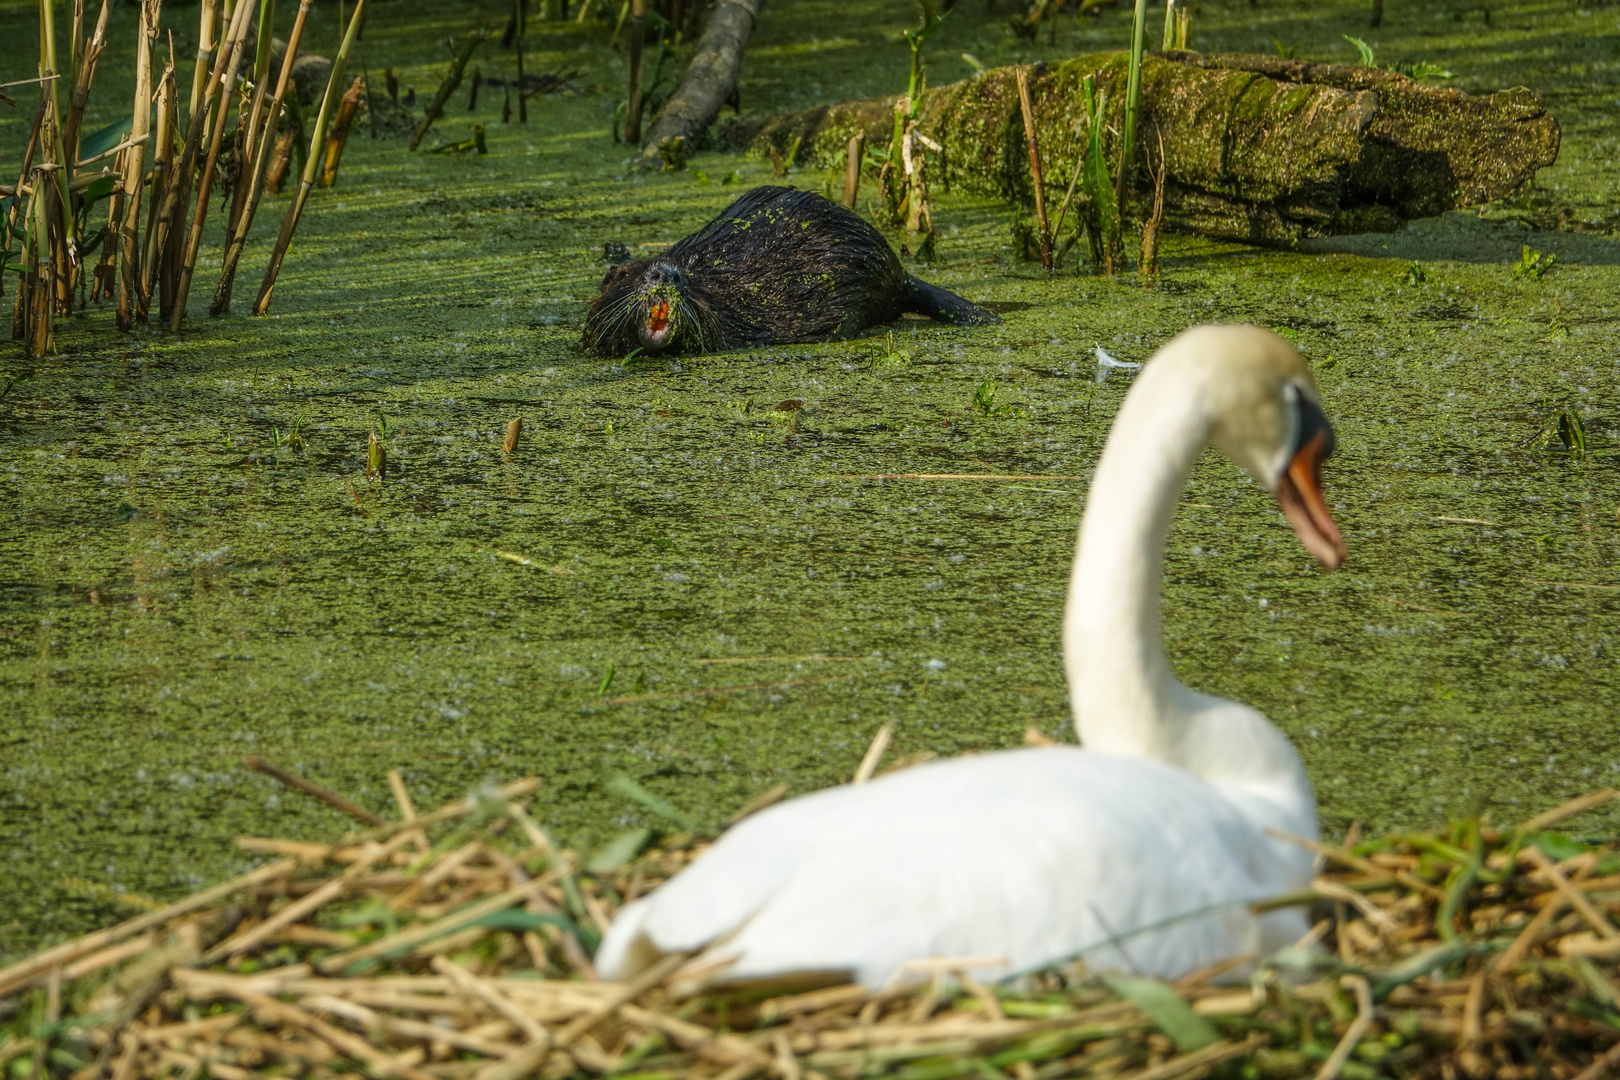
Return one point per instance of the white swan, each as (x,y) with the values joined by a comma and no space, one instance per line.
(1139,851)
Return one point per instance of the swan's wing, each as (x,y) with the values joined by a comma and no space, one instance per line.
(1031,856)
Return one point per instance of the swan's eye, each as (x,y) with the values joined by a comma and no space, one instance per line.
(1311,422)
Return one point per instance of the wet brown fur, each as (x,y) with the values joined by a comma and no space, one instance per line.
(776,266)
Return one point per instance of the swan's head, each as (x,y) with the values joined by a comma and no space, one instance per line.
(1269,420)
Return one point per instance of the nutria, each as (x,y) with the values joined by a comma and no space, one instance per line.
(776,266)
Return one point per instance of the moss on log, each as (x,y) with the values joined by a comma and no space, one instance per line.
(1257,149)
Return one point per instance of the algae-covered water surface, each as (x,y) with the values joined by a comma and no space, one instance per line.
(706,572)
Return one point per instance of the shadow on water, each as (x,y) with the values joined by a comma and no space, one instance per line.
(1465,237)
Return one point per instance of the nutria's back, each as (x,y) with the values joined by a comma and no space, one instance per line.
(776,266)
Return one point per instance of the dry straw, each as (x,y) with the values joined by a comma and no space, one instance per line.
(454,945)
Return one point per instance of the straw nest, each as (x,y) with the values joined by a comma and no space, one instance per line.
(456,944)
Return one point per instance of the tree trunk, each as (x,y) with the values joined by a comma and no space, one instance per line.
(1256,148)
(709,80)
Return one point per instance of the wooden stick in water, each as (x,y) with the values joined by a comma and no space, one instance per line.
(310,787)
(638,40)
(435,108)
(874,753)
(317,143)
(261,162)
(521,14)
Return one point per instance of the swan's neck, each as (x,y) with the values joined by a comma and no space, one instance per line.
(1124,696)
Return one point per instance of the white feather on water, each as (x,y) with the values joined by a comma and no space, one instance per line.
(1106,363)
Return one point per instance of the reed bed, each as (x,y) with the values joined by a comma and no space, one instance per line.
(456,944)
(74,251)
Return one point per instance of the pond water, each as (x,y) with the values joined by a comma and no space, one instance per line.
(674,577)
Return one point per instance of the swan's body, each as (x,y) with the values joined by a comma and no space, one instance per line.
(1140,851)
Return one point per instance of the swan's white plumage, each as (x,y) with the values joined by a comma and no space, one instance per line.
(857,879)
(1139,851)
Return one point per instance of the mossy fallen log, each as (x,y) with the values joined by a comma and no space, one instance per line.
(1257,148)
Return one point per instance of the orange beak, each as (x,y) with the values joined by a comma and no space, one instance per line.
(658,317)
(1299,492)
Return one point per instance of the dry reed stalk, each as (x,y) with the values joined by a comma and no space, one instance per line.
(134,170)
(1433,1014)
(407,809)
(1574,897)
(170,238)
(442,869)
(1572,808)
(514,431)
(853,155)
(230,60)
(407,939)
(340,132)
(248,133)
(342,1041)
(267,149)
(36,300)
(26,971)
(312,162)
(480,990)
(763,801)
(107,264)
(207,18)
(55,206)
(16,210)
(168,111)
(534,1054)
(1032,143)
(1149,266)
(84,75)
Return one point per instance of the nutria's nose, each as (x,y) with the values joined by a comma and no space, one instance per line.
(664,274)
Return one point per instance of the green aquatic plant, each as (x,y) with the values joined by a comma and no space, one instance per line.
(1101,209)
(1421,69)
(984,398)
(1133,100)
(1566,425)
(984,401)
(1533,264)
